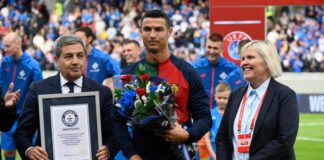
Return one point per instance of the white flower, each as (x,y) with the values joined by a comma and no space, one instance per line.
(135,83)
(138,103)
(148,86)
(144,99)
(118,105)
(129,124)
(130,86)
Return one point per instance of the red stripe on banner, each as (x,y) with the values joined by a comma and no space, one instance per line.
(264,2)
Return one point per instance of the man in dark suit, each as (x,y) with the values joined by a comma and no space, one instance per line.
(7,108)
(70,55)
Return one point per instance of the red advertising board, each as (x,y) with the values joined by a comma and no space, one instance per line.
(243,19)
(263,2)
(236,24)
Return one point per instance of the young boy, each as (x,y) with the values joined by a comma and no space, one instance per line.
(207,145)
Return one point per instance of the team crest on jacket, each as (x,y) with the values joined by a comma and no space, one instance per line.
(94,67)
(231,42)
(22,75)
(175,88)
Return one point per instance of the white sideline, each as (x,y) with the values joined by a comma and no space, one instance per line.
(311,124)
(310,139)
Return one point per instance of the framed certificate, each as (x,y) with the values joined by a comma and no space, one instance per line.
(70,125)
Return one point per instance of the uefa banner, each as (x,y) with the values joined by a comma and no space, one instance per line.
(311,103)
(236,24)
(236,20)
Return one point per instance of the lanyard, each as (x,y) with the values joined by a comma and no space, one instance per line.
(14,73)
(239,125)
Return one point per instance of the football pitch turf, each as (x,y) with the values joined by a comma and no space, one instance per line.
(310,140)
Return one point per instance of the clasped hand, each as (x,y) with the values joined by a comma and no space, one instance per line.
(175,135)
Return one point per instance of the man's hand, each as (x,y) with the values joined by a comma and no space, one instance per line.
(103,153)
(37,153)
(11,98)
(175,135)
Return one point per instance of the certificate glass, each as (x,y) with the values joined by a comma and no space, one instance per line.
(70,125)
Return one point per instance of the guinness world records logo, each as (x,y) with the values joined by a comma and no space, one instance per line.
(70,118)
(231,42)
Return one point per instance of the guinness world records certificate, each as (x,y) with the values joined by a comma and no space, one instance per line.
(70,125)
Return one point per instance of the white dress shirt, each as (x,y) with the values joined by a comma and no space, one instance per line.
(77,86)
(248,115)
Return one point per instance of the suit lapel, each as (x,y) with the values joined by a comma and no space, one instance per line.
(53,84)
(86,86)
(265,106)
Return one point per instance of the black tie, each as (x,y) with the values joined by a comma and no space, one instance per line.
(71,86)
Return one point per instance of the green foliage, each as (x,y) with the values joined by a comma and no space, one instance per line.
(118,93)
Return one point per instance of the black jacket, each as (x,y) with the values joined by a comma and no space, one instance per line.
(7,115)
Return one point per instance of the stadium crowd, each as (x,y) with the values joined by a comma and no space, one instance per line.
(298,32)
(299,36)
(112,21)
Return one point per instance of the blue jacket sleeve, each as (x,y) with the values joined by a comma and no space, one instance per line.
(37,73)
(235,78)
(112,67)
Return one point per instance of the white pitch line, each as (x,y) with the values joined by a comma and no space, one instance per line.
(237,22)
(311,124)
(310,139)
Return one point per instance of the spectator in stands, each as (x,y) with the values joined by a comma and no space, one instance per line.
(100,66)
(121,18)
(298,35)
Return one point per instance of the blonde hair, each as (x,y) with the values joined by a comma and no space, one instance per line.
(268,53)
(222,87)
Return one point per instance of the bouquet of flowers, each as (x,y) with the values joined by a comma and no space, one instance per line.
(148,102)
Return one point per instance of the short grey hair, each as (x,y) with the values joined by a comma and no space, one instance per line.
(67,39)
(268,53)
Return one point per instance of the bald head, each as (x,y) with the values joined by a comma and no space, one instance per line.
(12,37)
(12,43)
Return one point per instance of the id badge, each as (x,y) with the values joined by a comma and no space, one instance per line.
(244,142)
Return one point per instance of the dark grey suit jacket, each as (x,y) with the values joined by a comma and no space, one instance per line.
(29,120)
(275,129)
